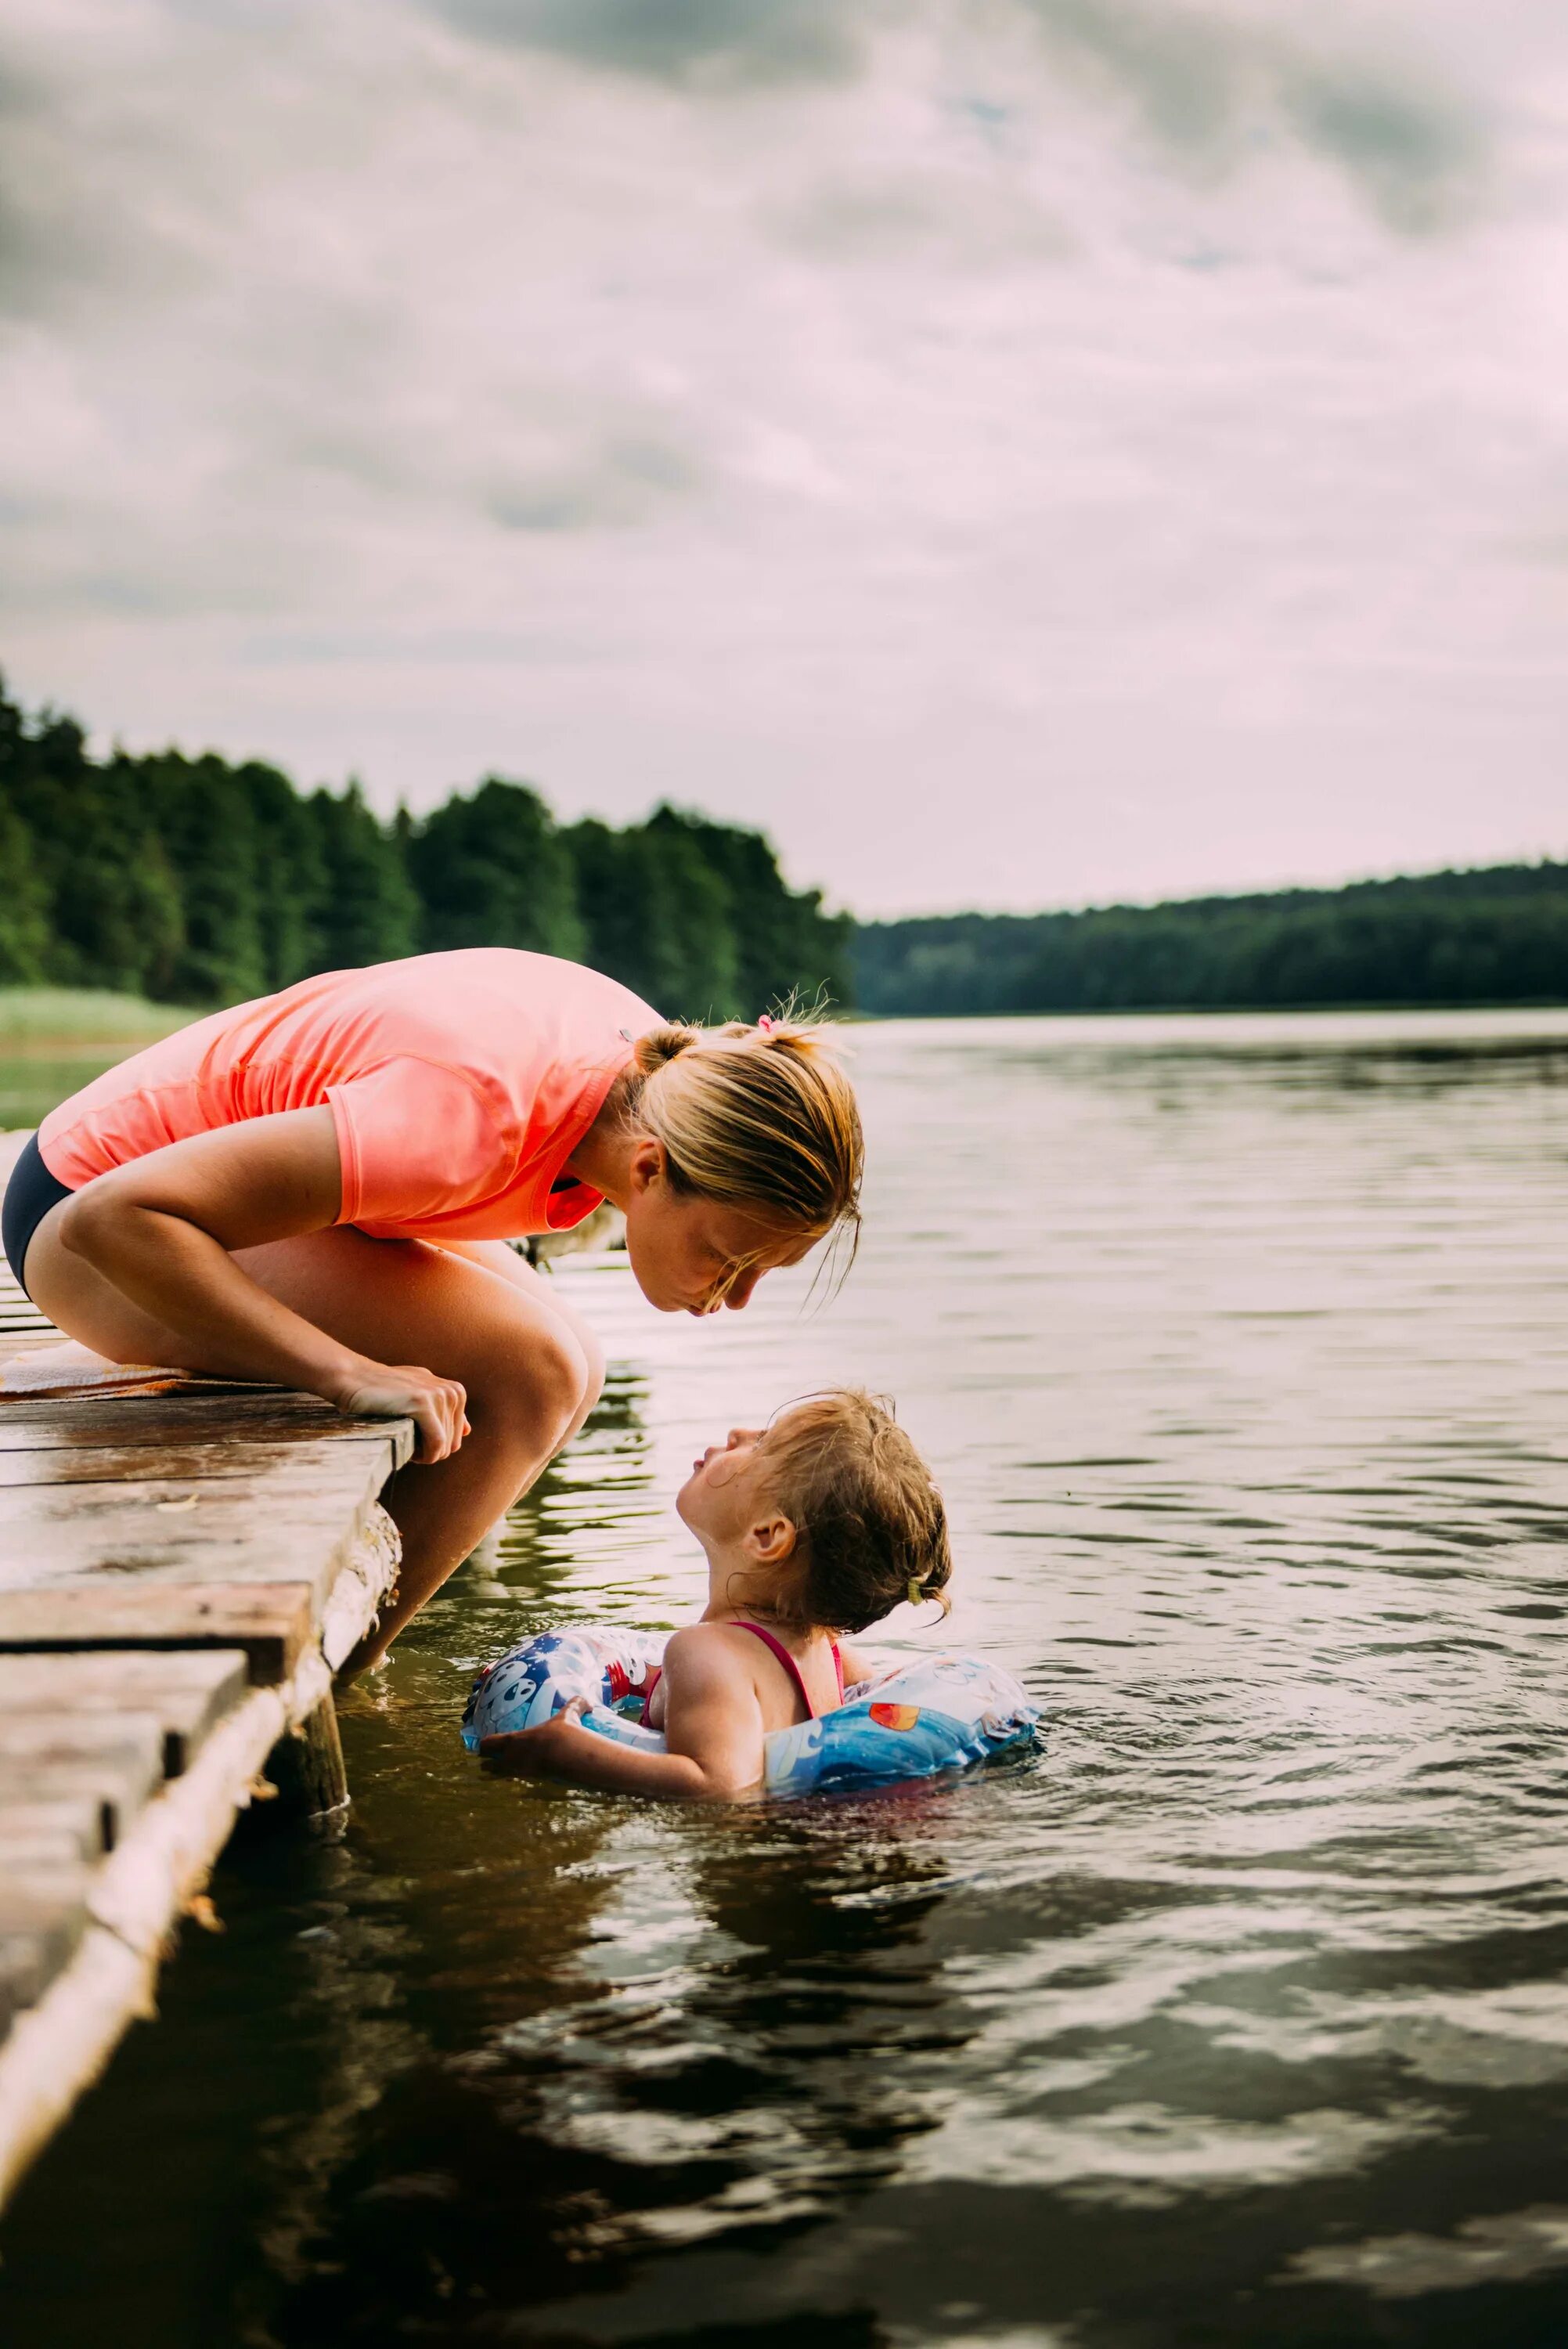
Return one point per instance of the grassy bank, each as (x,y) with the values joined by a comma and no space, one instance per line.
(67,1020)
(55,1040)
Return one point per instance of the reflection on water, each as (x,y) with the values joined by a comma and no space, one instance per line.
(1240,2018)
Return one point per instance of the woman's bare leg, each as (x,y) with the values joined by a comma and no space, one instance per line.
(529,1378)
(498,1257)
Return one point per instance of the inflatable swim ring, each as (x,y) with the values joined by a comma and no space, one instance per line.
(534,1682)
(939,1713)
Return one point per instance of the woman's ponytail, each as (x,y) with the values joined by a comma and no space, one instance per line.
(661,1045)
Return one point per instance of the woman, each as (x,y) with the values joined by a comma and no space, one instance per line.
(314,1190)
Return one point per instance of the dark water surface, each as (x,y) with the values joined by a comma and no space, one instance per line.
(1240,2017)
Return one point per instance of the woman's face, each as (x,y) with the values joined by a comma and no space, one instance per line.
(692,1255)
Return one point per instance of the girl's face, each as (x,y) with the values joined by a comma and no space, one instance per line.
(727,1490)
(692,1255)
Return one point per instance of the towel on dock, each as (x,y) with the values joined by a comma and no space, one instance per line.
(68,1369)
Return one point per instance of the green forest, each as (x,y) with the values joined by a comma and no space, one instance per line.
(1494,936)
(196,881)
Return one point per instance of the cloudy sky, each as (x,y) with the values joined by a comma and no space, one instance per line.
(1021,451)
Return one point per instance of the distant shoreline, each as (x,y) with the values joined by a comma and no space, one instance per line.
(860,1017)
(1492,937)
(41,1024)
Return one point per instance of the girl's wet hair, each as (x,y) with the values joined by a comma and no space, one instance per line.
(756,1116)
(870,1524)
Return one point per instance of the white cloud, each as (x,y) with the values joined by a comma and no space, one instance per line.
(1020,450)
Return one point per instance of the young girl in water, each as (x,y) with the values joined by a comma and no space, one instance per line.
(821,1523)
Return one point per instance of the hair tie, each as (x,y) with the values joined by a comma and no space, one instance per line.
(916,1591)
(765,1026)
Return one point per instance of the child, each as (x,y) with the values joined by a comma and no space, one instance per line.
(821,1523)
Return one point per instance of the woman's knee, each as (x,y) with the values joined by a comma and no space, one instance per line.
(588,1344)
(594,1368)
(586,1352)
(534,1386)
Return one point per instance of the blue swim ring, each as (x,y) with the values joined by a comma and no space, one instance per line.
(533,1682)
(913,1721)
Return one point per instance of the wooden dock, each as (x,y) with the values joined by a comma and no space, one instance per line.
(180,1575)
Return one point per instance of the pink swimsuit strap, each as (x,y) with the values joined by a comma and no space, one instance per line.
(785,1658)
(793,1668)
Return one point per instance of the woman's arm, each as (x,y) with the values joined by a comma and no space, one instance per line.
(713,1729)
(163,1230)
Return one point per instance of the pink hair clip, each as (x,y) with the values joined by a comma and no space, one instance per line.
(765,1026)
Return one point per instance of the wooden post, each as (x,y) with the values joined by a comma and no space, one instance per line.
(307,1767)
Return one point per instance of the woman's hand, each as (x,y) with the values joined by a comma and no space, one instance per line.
(380,1390)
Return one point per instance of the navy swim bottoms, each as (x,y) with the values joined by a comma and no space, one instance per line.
(29,1195)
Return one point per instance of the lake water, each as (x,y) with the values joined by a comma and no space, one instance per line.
(1240,2017)
(31,1082)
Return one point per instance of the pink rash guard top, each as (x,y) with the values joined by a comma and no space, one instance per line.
(460,1085)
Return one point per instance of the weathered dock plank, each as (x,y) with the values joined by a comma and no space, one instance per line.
(263,1414)
(192,1460)
(43,1916)
(114,1730)
(57,1827)
(133,1737)
(188,1691)
(117,1783)
(61,2037)
(181,1573)
(115,1761)
(272,1622)
(324,1470)
(223,1530)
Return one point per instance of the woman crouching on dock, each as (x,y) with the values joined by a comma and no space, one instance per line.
(314,1190)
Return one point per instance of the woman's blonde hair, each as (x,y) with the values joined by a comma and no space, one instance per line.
(755,1116)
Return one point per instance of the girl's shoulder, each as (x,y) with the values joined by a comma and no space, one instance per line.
(710,1659)
(748,1653)
(699,1640)
(742,1642)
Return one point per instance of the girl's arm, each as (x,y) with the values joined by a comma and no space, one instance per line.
(858,1666)
(162,1230)
(713,1728)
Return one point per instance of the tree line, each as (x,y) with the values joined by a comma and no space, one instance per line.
(198,881)
(193,880)
(1495,936)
